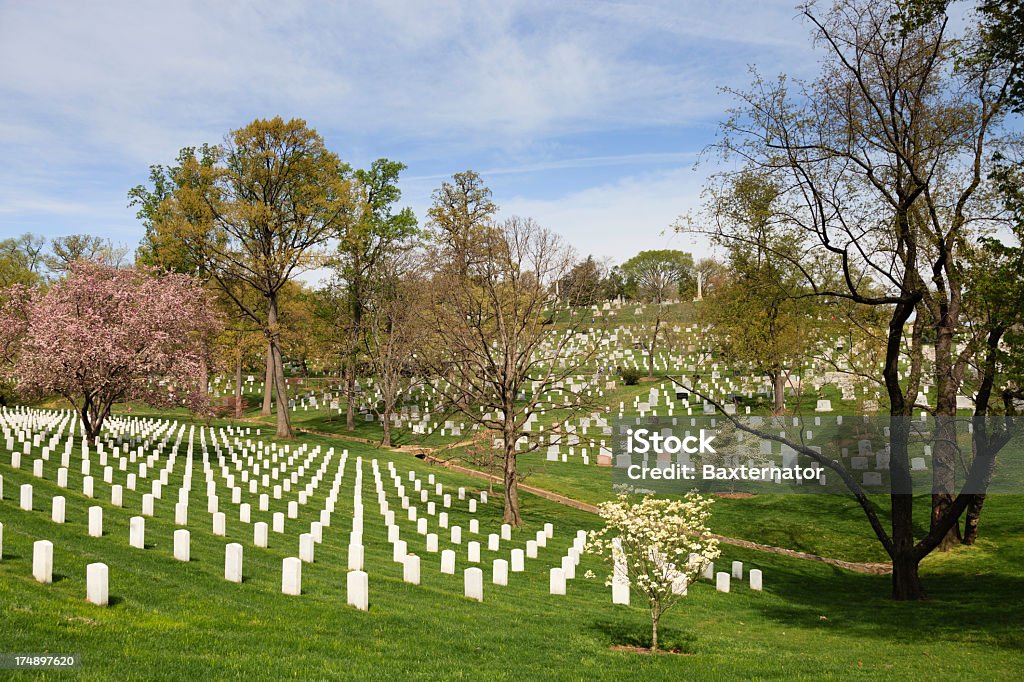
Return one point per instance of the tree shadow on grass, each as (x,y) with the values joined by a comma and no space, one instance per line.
(989,607)
(638,634)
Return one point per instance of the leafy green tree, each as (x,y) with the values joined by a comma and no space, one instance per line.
(22,260)
(582,286)
(756,317)
(375,229)
(258,211)
(657,277)
(73,247)
(613,285)
(161,247)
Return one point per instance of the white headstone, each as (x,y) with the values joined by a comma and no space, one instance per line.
(448,562)
(233,562)
(569,567)
(499,572)
(756,581)
(620,592)
(473,552)
(722,581)
(431,542)
(358,590)
(473,583)
(557,581)
(679,584)
(42,561)
(518,561)
(220,524)
(57,514)
(136,531)
(306,547)
(95,522)
(355,557)
(26,497)
(97,584)
(291,576)
(456,535)
(411,569)
(182,545)
(737,570)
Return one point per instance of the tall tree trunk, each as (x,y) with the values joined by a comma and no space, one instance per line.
(238,383)
(385,424)
(906,583)
(284,425)
(654,344)
(204,377)
(972,519)
(944,445)
(356,310)
(944,449)
(91,430)
(268,382)
(350,393)
(778,391)
(988,376)
(944,457)
(510,472)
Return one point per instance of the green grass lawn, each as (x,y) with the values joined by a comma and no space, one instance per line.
(170,620)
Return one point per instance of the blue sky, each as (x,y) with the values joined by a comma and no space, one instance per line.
(587,117)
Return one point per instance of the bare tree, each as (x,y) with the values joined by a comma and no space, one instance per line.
(497,357)
(393,330)
(883,163)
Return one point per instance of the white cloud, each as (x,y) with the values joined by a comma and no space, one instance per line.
(619,219)
(95,92)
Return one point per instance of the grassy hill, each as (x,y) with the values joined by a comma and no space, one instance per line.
(170,620)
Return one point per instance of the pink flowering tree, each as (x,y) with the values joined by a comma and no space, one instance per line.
(104,335)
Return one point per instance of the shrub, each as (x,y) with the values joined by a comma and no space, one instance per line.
(630,376)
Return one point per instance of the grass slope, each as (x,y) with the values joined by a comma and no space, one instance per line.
(172,621)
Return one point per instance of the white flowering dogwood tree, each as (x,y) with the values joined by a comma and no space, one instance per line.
(657,547)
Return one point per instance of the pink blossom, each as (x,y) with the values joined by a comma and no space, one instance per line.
(106,334)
